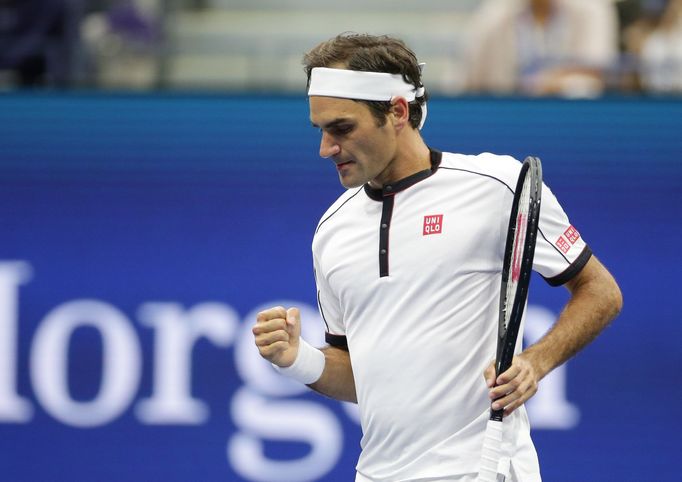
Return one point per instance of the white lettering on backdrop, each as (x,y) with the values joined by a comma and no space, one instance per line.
(265,408)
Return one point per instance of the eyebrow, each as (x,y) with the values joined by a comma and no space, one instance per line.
(333,123)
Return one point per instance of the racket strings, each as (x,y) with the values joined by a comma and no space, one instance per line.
(517,250)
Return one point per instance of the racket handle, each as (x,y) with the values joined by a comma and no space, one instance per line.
(491,453)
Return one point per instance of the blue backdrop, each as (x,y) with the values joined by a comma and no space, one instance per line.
(140,234)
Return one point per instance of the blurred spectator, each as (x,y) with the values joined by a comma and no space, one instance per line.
(123,40)
(635,23)
(661,50)
(543,47)
(38,42)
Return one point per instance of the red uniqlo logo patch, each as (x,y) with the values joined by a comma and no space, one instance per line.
(572,234)
(433,224)
(562,244)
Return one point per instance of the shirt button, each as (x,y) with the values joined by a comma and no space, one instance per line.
(383,251)
(384,226)
(389,188)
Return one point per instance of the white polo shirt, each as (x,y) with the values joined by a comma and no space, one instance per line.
(408,279)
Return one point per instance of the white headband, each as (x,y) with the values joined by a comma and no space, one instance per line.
(357,85)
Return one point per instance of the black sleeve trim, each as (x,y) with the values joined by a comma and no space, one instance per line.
(338,341)
(570,272)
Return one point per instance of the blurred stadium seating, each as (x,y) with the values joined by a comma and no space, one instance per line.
(256,46)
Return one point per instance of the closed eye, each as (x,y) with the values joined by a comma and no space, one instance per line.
(337,127)
(341,129)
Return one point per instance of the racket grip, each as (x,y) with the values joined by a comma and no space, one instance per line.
(491,453)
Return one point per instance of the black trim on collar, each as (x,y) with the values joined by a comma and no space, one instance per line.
(390,189)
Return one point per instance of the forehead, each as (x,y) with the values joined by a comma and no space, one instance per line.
(324,110)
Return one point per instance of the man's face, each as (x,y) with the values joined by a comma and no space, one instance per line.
(351,138)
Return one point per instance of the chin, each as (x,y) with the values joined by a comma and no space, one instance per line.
(349,183)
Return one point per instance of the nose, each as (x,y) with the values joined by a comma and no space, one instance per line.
(328,146)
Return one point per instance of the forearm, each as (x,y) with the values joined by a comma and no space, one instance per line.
(595,301)
(337,378)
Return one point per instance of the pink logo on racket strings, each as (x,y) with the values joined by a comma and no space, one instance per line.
(433,224)
(518,247)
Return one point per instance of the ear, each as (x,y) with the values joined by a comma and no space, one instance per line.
(400,110)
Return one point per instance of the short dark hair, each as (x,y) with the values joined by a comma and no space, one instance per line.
(371,53)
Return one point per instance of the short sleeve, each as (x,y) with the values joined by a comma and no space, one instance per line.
(330,310)
(560,250)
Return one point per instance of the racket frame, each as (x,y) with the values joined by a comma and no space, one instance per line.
(507,335)
(491,452)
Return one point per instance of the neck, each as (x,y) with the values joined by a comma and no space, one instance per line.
(412,156)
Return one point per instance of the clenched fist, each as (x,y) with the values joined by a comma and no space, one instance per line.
(277,334)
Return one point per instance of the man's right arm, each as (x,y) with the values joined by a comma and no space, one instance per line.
(277,334)
(337,378)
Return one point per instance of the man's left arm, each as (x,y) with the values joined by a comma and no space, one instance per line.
(595,301)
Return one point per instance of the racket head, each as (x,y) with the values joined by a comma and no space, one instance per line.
(518,262)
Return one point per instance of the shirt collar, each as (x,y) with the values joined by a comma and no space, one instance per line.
(397,186)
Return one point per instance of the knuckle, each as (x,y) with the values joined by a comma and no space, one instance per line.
(263,351)
(270,313)
(263,315)
(278,347)
(268,351)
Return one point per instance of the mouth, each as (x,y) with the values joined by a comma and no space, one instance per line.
(341,165)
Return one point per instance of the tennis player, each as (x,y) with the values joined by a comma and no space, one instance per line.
(408,265)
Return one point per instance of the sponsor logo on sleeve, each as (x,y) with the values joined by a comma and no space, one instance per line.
(562,244)
(572,234)
(433,224)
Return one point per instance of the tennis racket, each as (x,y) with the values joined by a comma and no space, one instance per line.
(518,263)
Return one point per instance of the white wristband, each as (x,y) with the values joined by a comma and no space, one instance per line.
(308,366)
